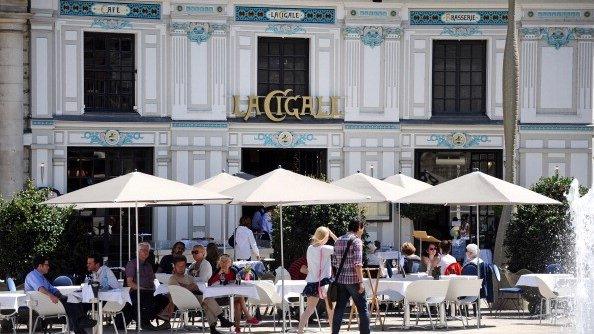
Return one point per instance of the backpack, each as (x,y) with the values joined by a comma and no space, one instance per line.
(453,269)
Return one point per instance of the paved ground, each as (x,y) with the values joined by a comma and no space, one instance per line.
(491,325)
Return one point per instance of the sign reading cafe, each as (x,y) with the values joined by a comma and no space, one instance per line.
(279,104)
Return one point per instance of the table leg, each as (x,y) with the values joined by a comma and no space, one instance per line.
(100,317)
(406,314)
(442,314)
(94,316)
(30,317)
(231,309)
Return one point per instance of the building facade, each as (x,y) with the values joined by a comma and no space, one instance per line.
(185,89)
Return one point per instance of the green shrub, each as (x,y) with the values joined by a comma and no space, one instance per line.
(538,235)
(28,228)
(300,223)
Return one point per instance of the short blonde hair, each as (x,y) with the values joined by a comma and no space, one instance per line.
(408,248)
(322,233)
(222,258)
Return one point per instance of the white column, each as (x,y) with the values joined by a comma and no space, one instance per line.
(219,72)
(352,77)
(528,72)
(584,79)
(179,74)
(392,61)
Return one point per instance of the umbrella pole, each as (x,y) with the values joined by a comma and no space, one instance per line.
(282,266)
(478,268)
(399,237)
(225,209)
(129,234)
(120,237)
(137,274)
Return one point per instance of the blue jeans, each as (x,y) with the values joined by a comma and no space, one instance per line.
(346,291)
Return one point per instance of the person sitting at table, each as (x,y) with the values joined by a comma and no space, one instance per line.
(298,269)
(412,262)
(470,269)
(319,274)
(212,255)
(447,263)
(166,264)
(201,268)
(212,310)
(227,272)
(99,272)
(245,243)
(36,281)
(150,306)
(431,261)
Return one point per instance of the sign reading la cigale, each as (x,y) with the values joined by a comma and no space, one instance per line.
(285,106)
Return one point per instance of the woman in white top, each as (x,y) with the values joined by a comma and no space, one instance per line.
(319,274)
(245,243)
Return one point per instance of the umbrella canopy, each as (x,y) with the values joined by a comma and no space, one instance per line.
(411,185)
(283,187)
(378,190)
(137,189)
(477,188)
(219,182)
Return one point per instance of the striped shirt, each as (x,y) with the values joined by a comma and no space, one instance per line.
(354,257)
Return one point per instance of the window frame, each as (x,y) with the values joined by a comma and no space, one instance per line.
(484,73)
(96,101)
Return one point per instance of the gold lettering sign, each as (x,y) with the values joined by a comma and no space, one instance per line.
(287,105)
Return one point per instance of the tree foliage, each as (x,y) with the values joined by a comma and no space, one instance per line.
(28,228)
(538,235)
(300,223)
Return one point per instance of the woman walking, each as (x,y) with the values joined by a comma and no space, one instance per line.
(319,274)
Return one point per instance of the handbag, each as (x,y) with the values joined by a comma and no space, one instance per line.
(333,287)
(232,238)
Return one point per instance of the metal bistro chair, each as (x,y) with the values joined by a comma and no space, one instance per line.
(427,293)
(464,293)
(508,291)
(46,309)
(63,281)
(185,301)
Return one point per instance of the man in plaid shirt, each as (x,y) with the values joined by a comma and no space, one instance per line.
(350,280)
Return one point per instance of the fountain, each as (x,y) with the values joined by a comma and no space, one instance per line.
(582,218)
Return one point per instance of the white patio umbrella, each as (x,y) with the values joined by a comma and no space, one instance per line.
(218,183)
(411,185)
(378,191)
(137,190)
(285,188)
(477,189)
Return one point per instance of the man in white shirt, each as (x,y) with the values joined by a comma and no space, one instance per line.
(245,243)
(445,259)
(99,271)
(200,268)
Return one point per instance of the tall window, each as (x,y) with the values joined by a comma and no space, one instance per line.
(459,77)
(109,72)
(283,63)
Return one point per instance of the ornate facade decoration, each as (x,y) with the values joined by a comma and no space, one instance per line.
(284,139)
(111,24)
(132,10)
(285,29)
(557,36)
(372,36)
(458,140)
(461,31)
(198,32)
(284,14)
(455,17)
(111,137)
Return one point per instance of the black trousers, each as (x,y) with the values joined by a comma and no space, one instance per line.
(150,305)
(74,311)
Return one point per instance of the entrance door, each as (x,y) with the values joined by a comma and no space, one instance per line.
(305,161)
(91,165)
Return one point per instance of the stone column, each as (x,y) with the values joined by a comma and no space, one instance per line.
(12,28)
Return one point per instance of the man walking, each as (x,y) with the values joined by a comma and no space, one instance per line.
(350,278)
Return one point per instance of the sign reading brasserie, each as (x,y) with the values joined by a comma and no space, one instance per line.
(279,104)
(470,17)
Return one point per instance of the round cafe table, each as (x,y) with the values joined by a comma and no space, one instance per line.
(245,289)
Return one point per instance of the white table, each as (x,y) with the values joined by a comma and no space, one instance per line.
(232,290)
(86,295)
(12,300)
(538,280)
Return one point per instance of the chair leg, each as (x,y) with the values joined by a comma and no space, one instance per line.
(541,311)
(115,328)
(124,320)
(35,325)
(319,323)
(274,310)
(430,317)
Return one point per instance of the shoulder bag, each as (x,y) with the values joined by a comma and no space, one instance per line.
(333,287)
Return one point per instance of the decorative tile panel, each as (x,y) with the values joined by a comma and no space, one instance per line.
(557,36)
(284,139)
(458,140)
(372,36)
(135,10)
(197,32)
(457,17)
(285,29)
(282,14)
(189,124)
(199,9)
(111,137)
(112,24)
(461,31)
(557,127)
(42,122)
(371,126)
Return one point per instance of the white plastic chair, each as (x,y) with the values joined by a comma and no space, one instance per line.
(564,292)
(267,296)
(112,309)
(185,301)
(427,293)
(281,273)
(46,309)
(464,293)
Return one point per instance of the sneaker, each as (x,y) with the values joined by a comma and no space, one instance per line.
(163,326)
(237,329)
(253,321)
(225,323)
(87,322)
